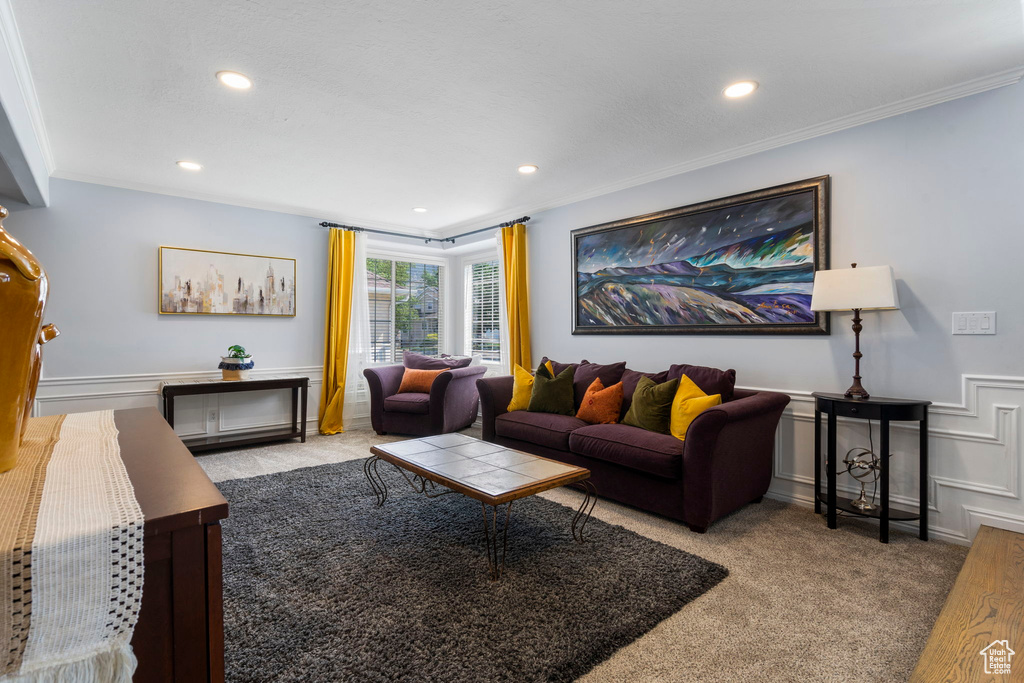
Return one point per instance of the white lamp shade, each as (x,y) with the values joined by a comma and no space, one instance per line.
(847,288)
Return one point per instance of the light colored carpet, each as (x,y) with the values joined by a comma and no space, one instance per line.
(801,602)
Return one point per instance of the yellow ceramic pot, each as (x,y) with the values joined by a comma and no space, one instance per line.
(22,300)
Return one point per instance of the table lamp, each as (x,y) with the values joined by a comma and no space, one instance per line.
(856,289)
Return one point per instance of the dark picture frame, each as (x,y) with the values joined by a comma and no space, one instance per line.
(734,265)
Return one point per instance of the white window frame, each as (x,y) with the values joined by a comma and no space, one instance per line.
(373,251)
(467,307)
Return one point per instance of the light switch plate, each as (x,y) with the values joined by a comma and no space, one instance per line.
(978,322)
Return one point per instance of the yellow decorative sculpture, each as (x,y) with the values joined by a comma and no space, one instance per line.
(22,301)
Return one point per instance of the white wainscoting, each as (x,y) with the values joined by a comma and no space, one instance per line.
(974,458)
(975,450)
(194,415)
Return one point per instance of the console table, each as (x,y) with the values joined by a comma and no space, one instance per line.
(297,430)
(885,410)
(179,637)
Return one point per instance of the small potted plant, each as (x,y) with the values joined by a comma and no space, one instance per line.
(237,364)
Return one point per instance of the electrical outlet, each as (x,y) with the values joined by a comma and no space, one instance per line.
(213,416)
(979,322)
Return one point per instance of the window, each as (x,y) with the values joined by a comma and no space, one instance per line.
(406,308)
(483,311)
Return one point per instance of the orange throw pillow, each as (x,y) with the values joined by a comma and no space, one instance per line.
(418,381)
(600,405)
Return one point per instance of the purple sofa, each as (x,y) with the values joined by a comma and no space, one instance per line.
(451,405)
(724,463)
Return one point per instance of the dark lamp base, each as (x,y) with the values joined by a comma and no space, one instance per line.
(857,392)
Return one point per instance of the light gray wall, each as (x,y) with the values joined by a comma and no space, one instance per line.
(99,247)
(935,193)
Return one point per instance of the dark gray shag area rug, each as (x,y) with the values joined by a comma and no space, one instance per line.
(321,585)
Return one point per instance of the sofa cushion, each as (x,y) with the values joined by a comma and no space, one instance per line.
(552,395)
(586,373)
(638,449)
(710,380)
(408,403)
(689,402)
(630,378)
(651,408)
(543,429)
(601,405)
(417,381)
(558,368)
(522,389)
(417,361)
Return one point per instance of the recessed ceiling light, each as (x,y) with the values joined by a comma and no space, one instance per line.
(527,169)
(235,80)
(190,165)
(741,89)
(419,209)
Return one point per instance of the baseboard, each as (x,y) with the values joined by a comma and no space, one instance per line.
(934,532)
(976,449)
(230,412)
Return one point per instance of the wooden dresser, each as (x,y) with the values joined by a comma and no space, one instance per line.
(180,633)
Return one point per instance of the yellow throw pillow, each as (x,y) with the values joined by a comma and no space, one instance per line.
(522,387)
(688,403)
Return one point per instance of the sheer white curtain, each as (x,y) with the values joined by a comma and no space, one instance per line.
(506,357)
(357,397)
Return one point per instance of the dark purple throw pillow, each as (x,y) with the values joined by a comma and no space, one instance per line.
(587,372)
(630,378)
(559,367)
(710,380)
(417,361)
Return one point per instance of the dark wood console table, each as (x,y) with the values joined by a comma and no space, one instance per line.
(885,410)
(179,637)
(297,430)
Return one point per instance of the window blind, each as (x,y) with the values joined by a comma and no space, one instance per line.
(483,314)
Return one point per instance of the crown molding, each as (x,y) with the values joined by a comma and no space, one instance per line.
(967,88)
(277,207)
(16,52)
(953,92)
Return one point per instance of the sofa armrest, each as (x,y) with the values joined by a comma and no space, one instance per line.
(383,382)
(728,453)
(495,395)
(453,398)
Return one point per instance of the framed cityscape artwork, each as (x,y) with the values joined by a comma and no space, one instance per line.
(738,265)
(198,282)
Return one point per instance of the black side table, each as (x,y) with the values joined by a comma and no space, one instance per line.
(198,444)
(884,410)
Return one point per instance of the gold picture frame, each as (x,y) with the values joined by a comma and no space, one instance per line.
(208,282)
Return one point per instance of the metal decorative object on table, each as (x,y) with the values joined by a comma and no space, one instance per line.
(864,464)
(494,475)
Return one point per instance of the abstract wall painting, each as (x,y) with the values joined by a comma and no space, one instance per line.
(198,282)
(738,265)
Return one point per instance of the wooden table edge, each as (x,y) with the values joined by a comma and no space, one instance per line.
(524,491)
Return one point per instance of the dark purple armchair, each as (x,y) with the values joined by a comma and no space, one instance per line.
(450,406)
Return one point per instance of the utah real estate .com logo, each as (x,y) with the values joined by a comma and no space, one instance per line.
(997,657)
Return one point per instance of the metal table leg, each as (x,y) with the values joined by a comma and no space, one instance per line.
(380,489)
(586,507)
(496,555)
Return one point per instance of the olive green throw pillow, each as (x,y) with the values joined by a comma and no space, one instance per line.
(651,408)
(553,395)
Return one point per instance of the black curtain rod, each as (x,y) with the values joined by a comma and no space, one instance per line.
(426,240)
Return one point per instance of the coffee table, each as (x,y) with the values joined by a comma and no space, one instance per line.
(492,474)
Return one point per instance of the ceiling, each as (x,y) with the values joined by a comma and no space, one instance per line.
(364,109)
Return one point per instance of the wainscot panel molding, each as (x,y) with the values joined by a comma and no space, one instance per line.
(975,446)
(194,415)
(974,458)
